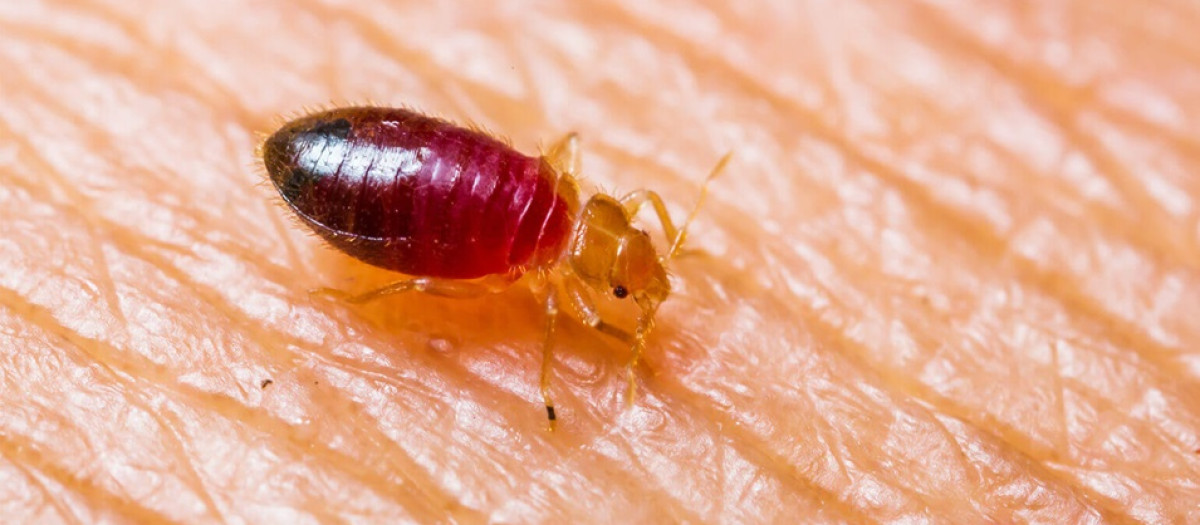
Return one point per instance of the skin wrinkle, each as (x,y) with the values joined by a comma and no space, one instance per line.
(45,321)
(1060,401)
(1117,20)
(107,286)
(751,452)
(1072,100)
(416,476)
(1041,285)
(933,400)
(83,204)
(1050,280)
(1047,470)
(46,493)
(1087,508)
(678,513)
(774,457)
(131,25)
(380,40)
(72,45)
(1061,111)
(757,442)
(31,458)
(80,202)
(945,405)
(936,401)
(430,500)
(305,446)
(138,402)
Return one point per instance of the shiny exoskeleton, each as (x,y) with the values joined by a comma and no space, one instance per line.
(464,214)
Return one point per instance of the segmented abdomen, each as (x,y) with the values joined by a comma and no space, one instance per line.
(419,195)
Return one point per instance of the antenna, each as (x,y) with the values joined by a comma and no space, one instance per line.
(682,235)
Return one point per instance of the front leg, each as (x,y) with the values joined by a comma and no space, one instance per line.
(633,204)
(586,311)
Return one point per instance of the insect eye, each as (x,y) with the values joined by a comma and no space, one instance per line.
(620,292)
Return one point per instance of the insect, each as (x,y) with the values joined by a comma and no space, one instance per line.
(462,214)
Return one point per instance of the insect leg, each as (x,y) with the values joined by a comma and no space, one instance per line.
(564,154)
(439,287)
(586,311)
(548,350)
(645,323)
(633,204)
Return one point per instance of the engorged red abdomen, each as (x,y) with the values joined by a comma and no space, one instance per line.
(419,195)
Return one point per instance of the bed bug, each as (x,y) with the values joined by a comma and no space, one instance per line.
(463,214)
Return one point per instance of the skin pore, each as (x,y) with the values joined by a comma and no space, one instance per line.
(949,275)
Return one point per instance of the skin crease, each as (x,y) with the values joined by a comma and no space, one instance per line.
(949,277)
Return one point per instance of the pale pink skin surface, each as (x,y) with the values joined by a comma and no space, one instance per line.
(953,270)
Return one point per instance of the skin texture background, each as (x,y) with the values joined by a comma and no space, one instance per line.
(951,275)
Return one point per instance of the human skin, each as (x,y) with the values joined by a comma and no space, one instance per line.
(950,276)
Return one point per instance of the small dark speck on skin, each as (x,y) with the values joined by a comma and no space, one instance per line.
(266,383)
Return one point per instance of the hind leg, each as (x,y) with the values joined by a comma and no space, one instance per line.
(548,352)
(439,287)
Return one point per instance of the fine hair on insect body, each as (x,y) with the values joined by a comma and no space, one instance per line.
(463,214)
